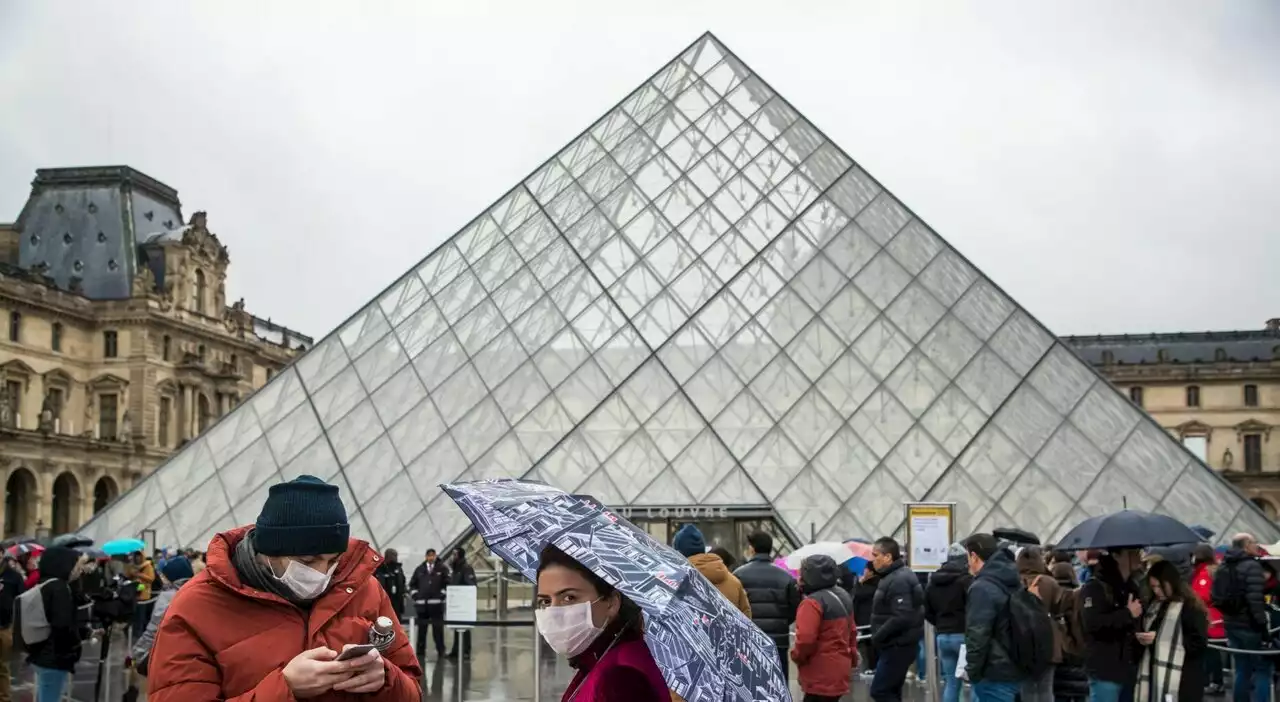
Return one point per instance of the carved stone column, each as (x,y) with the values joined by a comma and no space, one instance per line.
(183,423)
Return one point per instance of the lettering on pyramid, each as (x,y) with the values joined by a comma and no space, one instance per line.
(703,301)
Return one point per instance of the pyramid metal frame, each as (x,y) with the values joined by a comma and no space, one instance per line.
(585,329)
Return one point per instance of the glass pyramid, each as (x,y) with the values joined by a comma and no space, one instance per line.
(700,301)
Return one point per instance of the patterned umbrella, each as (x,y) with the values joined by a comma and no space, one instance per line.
(20,550)
(707,650)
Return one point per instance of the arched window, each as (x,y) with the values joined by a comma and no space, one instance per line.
(165,343)
(104,491)
(200,291)
(66,503)
(19,502)
(55,336)
(1219,355)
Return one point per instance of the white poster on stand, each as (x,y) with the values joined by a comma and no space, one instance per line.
(460,605)
(930,529)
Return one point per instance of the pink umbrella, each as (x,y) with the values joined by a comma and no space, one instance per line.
(782,563)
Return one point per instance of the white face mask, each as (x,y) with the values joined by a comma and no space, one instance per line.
(568,629)
(305,582)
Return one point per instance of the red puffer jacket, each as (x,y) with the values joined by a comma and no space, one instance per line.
(826,648)
(222,640)
(1201,583)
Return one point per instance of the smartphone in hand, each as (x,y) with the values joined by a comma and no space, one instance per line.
(355,652)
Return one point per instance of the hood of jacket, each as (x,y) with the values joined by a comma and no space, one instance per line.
(1000,569)
(711,566)
(354,567)
(58,562)
(1064,574)
(951,571)
(1234,555)
(818,573)
(1030,563)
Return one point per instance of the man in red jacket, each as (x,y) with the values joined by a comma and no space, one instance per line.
(276,604)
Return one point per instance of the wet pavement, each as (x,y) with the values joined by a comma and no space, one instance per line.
(501,668)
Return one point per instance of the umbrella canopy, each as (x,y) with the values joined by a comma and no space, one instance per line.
(838,552)
(22,549)
(782,563)
(1021,537)
(15,540)
(1128,529)
(707,650)
(96,554)
(120,547)
(1205,532)
(71,540)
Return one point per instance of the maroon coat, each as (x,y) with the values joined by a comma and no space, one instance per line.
(826,648)
(623,672)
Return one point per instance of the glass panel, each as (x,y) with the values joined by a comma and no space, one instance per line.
(539,431)
(419,428)
(1071,460)
(380,361)
(1151,459)
(316,460)
(811,423)
(992,461)
(391,509)
(372,469)
(950,345)
(742,423)
(1021,342)
(915,312)
(674,426)
(666,489)
(1035,503)
(191,467)
(953,420)
(1062,379)
(880,422)
(278,398)
(1105,417)
(983,309)
(917,461)
(987,381)
(878,503)
(322,363)
(703,464)
(231,435)
(807,502)
(883,218)
(916,383)
(248,471)
(634,466)
(356,431)
(847,384)
(882,347)
(882,279)
(779,385)
(1028,420)
(815,349)
(948,277)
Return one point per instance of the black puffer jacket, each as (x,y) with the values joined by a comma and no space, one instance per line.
(774,597)
(946,595)
(897,612)
(1250,574)
(986,631)
(1111,651)
(864,595)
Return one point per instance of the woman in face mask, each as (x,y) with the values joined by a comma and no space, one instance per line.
(599,630)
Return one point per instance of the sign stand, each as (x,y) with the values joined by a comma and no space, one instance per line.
(930,532)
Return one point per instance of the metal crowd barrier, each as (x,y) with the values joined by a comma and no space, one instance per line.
(464,641)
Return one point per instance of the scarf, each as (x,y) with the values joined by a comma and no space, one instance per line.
(258,575)
(1160,675)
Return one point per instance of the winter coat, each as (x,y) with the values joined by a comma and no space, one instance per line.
(145,576)
(826,649)
(864,595)
(986,630)
(946,594)
(713,569)
(10,587)
(391,577)
(1032,569)
(1202,584)
(461,573)
(1110,647)
(61,651)
(623,672)
(897,610)
(1070,681)
(223,640)
(427,585)
(1250,572)
(1195,642)
(773,595)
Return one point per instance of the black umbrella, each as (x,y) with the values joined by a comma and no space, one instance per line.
(1017,536)
(1127,529)
(93,553)
(71,540)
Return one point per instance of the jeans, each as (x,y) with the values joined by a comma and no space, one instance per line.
(784,655)
(1040,689)
(1105,691)
(949,656)
(985,691)
(50,684)
(1253,673)
(922,670)
(891,672)
(6,652)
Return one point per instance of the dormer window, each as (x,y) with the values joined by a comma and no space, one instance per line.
(201,288)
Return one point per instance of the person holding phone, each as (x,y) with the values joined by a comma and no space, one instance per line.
(280,610)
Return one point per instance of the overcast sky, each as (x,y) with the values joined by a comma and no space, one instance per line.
(1113,166)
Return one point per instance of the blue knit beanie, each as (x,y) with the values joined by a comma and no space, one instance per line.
(177,568)
(688,541)
(303,517)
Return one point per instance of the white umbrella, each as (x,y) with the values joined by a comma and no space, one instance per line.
(837,551)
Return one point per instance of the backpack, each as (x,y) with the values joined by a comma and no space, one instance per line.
(1228,591)
(1030,644)
(33,623)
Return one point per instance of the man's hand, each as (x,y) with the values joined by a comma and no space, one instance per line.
(1135,607)
(1146,638)
(313,673)
(368,674)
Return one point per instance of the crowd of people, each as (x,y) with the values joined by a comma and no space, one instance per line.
(287,608)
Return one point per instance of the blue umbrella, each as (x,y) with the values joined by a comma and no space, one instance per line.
(707,650)
(120,547)
(1127,529)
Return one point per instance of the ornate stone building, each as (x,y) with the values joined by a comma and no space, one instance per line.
(1217,392)
(118,344)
